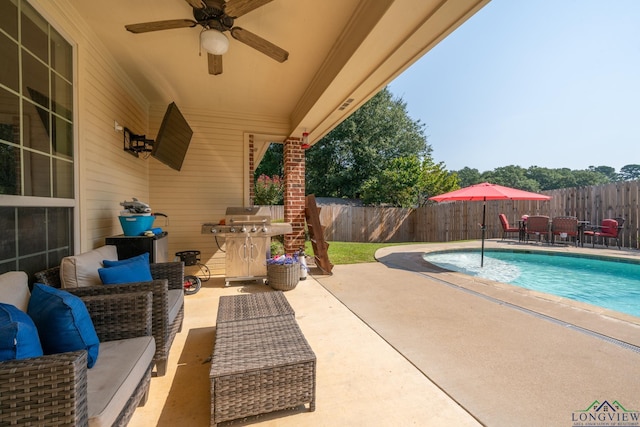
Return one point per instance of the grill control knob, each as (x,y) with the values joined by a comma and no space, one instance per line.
(264,228)
(253,229)
(232,230)
(243,229)
(214,231)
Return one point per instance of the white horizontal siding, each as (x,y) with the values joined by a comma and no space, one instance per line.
(214,176)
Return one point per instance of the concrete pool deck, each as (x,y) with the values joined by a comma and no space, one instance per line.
(399,343)
(507,355)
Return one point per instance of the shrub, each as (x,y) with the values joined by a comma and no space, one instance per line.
(269,190)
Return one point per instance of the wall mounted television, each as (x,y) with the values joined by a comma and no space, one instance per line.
(174,136)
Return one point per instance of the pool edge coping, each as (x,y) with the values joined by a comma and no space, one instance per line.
(616,325)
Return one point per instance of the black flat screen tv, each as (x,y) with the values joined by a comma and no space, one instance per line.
(174,136)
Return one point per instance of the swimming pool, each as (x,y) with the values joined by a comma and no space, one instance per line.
(609,284)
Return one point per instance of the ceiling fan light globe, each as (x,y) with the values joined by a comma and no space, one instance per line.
(214,42)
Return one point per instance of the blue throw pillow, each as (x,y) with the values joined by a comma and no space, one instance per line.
(130,270)
(18,335)
(63,322)
(139,258)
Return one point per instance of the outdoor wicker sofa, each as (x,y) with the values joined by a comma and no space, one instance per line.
(168,301)
(60,389)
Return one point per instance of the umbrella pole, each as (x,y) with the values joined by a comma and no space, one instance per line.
(484,212)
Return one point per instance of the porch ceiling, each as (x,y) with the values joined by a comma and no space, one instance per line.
(338,50)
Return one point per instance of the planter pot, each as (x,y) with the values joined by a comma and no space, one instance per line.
(283,277)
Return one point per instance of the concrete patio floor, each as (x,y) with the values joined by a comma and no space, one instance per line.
(401,343)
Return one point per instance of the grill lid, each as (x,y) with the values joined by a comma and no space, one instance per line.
(248,215)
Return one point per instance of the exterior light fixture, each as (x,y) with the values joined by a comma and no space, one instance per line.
(305,141)
(214,42)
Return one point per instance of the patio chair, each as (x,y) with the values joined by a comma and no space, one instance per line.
(168,313)
(608,229)
(506,228)
(564,226)
(538,225)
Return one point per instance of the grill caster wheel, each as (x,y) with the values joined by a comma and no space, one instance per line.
(192,285)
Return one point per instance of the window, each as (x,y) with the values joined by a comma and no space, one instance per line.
(36,141)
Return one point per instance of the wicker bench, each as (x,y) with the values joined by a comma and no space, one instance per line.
(261,360)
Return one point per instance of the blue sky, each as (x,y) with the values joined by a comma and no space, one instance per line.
(550,83)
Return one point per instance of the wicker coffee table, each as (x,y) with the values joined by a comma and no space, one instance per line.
(260,365)
(253,306)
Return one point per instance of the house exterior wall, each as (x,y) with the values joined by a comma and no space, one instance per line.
(215,173)
(105,173)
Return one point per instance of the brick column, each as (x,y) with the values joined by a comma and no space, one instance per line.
(294,202)
(252,169)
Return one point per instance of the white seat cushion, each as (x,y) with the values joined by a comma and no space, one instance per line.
(113,379)
(176,300)
(82,270)
(14,289)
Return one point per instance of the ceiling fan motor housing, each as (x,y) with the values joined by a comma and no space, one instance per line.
(213,16)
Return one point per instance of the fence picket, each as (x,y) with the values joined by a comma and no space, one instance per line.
(453,221)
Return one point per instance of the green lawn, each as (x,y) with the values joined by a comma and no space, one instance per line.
(353,253)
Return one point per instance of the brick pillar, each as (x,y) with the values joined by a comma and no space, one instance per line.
(252,169)
(294,202)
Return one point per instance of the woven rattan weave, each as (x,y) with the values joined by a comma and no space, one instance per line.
(253,306)
(260,365)
(52,390)
(283,277)
(167,275)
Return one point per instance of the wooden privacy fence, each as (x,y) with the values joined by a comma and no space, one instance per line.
(453,221)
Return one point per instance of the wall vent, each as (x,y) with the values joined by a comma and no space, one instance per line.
(345,104)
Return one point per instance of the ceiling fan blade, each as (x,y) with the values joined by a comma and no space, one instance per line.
(215,64)
(237,8)
(170,24)
(260,44)
(196,4)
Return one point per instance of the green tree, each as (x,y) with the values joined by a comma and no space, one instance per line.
(362,146)
(468,176)
(398,185)
(512,176)
(585,178)
(408,182)
(272,163)
(607,171)
(435,179)
(630,172)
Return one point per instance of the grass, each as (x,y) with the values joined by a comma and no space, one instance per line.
(353,253)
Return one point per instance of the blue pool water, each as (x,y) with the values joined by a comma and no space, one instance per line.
(608,284)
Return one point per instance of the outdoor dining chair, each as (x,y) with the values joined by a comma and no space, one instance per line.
(506,228)
(564,226)
(538,225)
(608,229)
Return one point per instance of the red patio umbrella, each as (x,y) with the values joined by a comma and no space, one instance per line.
(484,192)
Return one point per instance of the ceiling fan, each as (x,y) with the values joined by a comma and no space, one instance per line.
(216,17)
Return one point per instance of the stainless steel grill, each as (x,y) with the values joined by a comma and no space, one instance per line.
(247,233)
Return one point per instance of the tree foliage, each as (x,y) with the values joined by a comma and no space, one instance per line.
(408,182)
(537,178)
(362,146)
(629,173)
(272,164)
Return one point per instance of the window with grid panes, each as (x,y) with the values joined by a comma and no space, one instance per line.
(36,141)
